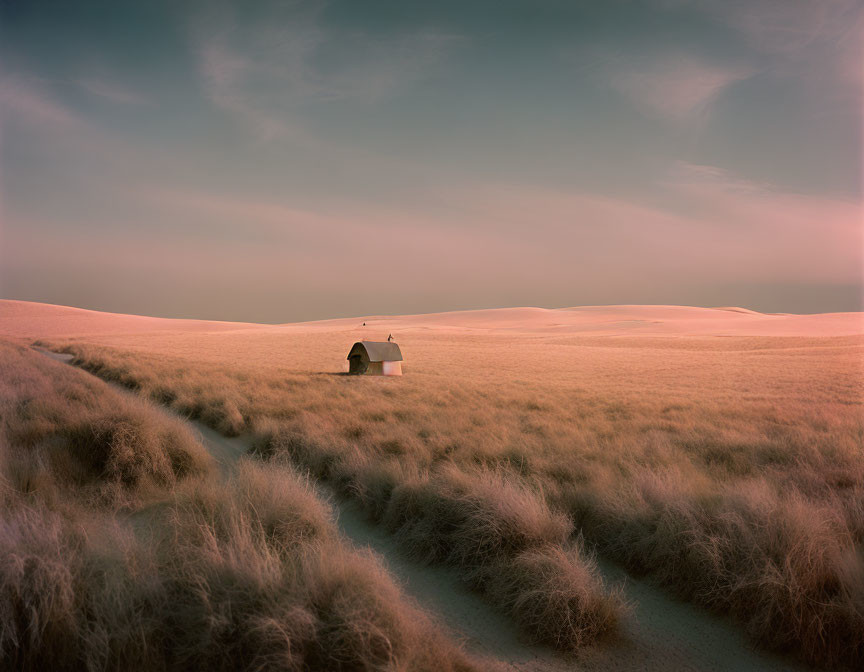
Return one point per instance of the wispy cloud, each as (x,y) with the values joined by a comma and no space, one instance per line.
(787,26)
(265,76)
(113,92)
(717,223)
(686,175)
(678,87)
(225,76)
(802,34)
(24,98)
(770,230)
(721,226)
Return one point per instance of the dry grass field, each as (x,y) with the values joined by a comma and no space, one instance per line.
(718,452)
(121,548)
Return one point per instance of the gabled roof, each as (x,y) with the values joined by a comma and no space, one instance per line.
(378,351)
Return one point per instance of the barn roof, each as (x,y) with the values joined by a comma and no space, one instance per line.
(379,351)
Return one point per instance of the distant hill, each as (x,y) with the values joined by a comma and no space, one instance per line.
(29,320)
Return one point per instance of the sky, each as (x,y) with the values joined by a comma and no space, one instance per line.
(285,161)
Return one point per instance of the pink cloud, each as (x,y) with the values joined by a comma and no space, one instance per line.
(787,26)
(113,92)
(26,100)
(677,87)
(800,32)
(773,232)
(486,244)
(685,175)
(722,227)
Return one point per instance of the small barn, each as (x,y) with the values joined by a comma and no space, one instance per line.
(375,358)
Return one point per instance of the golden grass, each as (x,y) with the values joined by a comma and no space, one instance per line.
(248,574)
(67,434)
(259,578)
(194,571)
(730,469)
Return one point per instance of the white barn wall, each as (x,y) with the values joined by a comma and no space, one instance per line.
(391,368)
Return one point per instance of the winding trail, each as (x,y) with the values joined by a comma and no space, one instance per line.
(658,633)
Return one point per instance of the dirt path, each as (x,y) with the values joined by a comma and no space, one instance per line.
(438,590)
(659,634)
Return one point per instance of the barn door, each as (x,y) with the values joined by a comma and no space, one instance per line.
(357,364)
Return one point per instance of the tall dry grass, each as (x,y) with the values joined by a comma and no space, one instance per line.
(259,578)
(248,574)
(489,527)
(193,571)
(67,434)
(731,470)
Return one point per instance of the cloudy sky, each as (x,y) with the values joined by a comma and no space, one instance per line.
(282,161)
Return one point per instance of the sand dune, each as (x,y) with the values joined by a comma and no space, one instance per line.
(24,319)
(622,320)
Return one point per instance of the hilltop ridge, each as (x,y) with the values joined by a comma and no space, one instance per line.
(25,319)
